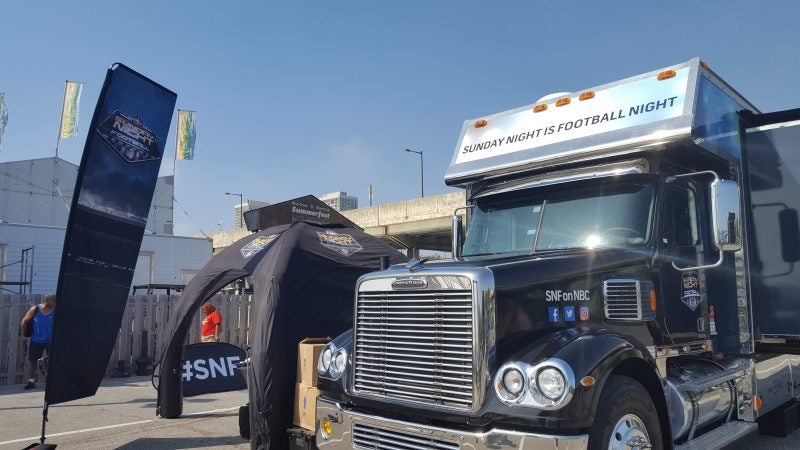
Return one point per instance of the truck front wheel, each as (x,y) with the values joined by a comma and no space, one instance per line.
(626,418)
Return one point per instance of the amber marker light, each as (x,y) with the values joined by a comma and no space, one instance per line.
(586,95)
(706,346)
(757,402)
(666,74)
(653,302)
(587,381)
(481,123)
(562,102)
(326,428)
(539,108)
(687,348)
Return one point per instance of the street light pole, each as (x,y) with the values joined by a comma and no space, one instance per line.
(241,207)
(421,171)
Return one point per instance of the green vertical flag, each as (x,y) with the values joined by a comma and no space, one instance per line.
(69,112)
(3,115)
(184,148)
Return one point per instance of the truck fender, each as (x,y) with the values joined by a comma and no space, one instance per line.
(599,354)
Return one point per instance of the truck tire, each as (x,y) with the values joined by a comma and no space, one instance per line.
(625,416)
(244,421)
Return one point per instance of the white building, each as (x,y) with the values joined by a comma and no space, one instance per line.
(340,201)
(39,191)
(34,200)
(246,206)
(163,259)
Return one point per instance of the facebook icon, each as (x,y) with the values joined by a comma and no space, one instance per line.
(569,313)
(552,314)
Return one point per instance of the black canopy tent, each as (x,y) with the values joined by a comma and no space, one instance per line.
(304,278)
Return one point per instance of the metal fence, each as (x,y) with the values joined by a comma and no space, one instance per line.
(141,335)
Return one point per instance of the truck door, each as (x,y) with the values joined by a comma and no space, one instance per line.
(683,293)
(771,193)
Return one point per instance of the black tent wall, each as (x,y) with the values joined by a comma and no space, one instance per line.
(224,268)
(302,288)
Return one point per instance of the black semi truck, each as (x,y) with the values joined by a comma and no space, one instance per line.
(628,279)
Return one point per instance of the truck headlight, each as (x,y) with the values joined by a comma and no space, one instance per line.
(510,383)
(338,363)
(552,383)
(325,358)
(549,384)
(513,381)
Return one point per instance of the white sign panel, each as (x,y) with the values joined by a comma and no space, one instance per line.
(626,105)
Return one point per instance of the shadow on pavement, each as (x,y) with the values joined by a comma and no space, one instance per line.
(197,400)
(107,383)
(176,443)
(17,389)
(125,381)
(192,416)
(147,403)
(21,407)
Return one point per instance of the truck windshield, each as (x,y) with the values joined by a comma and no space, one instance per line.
(601,214)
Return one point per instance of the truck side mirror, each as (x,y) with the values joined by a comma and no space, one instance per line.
(790,235)
(458,236)
(726,219)
(726,216)
(458,231)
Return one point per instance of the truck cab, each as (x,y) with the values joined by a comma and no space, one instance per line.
(625,278)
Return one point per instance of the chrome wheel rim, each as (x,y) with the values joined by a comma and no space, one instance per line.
(629,434)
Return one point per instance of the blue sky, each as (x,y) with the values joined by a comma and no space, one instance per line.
(308,97)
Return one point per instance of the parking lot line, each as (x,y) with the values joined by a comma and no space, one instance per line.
(89,430)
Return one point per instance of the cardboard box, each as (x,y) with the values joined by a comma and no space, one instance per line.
(308,352)
(305,406)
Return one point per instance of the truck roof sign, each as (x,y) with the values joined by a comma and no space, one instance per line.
(614,118)
(644,101)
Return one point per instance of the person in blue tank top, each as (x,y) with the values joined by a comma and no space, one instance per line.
(42,317)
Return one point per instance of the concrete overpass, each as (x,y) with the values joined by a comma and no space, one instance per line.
(416,224)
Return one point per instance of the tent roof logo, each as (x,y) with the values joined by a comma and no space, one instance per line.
(339,242)
(257,244)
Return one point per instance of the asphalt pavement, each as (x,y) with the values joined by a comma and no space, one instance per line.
(123,416)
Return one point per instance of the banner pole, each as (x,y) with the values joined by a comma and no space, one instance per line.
(44,422)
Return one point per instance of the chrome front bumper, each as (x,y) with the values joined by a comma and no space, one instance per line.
(397,434)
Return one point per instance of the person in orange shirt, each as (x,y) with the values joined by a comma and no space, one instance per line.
(211,326)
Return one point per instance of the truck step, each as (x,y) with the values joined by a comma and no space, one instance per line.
(709,381)
(720,437)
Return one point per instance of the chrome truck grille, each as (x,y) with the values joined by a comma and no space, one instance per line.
(626,299)
(418,344)
(365,436)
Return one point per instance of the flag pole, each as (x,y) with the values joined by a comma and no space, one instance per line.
(55,180)
(3,113)
(61,117)
(177,139)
